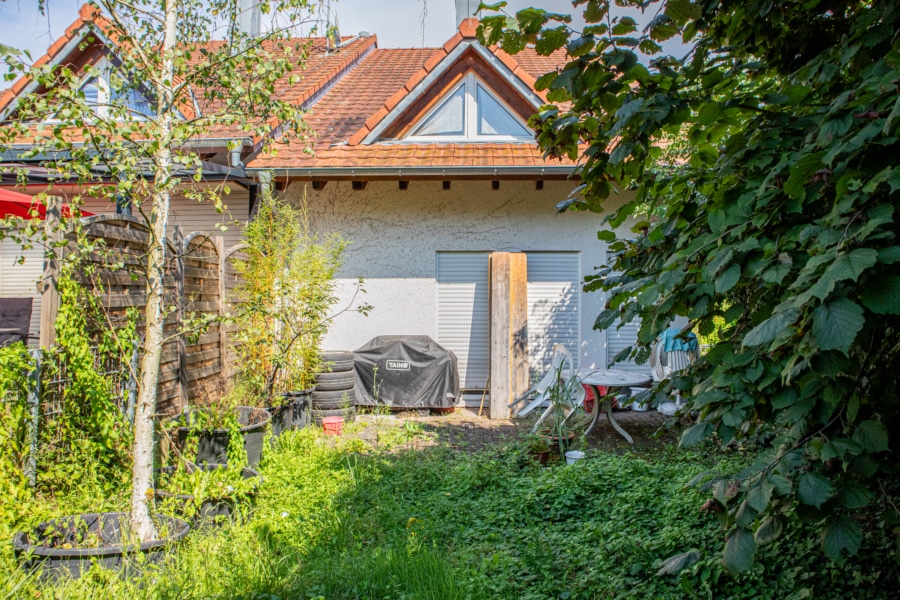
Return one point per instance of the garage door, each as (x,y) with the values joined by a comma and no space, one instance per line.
(463,314)
(618,340)
(554,306)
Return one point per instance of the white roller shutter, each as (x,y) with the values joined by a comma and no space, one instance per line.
(618,340)
(554,306)
(463,313)
(20,280)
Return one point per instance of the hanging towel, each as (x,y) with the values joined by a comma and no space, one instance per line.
(673,342)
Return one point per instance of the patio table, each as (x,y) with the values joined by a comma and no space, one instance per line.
(612,380)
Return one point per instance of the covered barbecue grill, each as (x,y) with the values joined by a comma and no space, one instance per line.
(410,371)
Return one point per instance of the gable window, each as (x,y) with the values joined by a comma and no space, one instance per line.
(99,94)
(470,112)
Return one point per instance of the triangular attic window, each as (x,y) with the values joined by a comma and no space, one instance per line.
(495,119)
(470,112)
(449,118)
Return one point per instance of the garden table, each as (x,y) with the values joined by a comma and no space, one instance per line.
(612,380)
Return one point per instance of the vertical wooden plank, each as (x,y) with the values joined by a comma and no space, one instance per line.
(518,327)
(500,335)
(180,250)
(49,286)
(224,368)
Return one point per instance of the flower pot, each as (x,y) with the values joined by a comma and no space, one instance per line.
(333,425)
(555,442)
(573,456)
(43,546)
(301,408)
(540,458)
(213,511)
(212,445)
(282,416)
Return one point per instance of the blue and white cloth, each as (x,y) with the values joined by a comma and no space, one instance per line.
(673,342)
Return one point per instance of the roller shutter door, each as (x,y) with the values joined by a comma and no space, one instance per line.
(463,314)
(554,306)
(618,340)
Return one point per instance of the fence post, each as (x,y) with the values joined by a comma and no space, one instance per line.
(180,250)
(223,335)
(34,414)
(49,286)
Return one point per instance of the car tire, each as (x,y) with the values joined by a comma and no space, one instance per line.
(335,382)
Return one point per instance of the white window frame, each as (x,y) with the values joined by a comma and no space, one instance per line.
(470,117)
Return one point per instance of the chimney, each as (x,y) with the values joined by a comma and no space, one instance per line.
(249,18)
(465,9)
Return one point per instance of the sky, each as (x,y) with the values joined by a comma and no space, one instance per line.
(397,23)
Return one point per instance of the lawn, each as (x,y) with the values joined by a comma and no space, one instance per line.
(346,520)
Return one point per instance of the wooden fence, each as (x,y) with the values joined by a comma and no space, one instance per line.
(200,281)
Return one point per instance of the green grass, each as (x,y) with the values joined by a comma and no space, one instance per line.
(342,521)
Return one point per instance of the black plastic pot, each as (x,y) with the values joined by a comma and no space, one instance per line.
(282,417)
(213,511)
(41,547)
(212,446)
(301,408)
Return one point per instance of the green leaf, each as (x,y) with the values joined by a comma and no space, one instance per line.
(740,550)
(682,11)
(769,329)
(853,495)
(801,173)
(768,531)
(890,255)
(695,434)
(882,295)
(836,324)
(841,533)
(851,265)
(813,489)
(606,235)
(675,564)
(728,278)
(871,436)
(759,496)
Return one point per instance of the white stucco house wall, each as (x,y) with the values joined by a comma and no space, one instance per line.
(425,163)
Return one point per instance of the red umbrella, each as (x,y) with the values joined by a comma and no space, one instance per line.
(24,206)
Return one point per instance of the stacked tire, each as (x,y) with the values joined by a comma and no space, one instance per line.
(334,395)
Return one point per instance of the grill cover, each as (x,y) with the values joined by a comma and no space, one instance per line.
(413,371)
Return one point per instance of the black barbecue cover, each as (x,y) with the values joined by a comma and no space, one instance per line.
(406,370)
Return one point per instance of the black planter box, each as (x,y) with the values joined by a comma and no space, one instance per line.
(214,511)
(212,446)
(39,548)
(301,407)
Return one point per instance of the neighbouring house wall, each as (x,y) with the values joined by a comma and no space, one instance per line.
(197,216)
(19,280)
(396,234)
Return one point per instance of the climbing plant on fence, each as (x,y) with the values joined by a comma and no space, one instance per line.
(781,220)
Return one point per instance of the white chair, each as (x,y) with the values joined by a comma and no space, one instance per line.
(540,391)
(566,396)
(664,364)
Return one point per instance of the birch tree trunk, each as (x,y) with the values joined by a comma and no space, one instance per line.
(142,474)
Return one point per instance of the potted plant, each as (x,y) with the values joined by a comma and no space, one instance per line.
(285,299)
(559,428)
(219,430)
(538,448)
(72,545)
(209,494)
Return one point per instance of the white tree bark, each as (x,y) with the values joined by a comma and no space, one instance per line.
(142,473)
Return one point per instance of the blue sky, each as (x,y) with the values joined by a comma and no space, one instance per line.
(397,23)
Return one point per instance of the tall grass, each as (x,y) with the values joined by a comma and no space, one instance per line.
(346,522)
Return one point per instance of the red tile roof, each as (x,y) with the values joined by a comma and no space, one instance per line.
(351,90)
(351,110)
